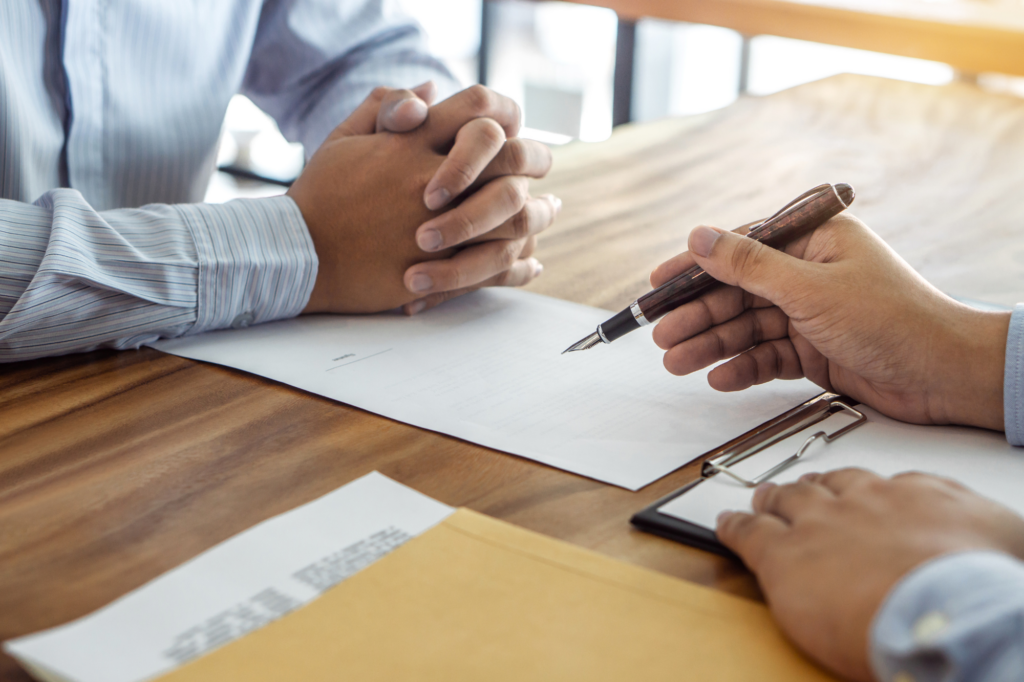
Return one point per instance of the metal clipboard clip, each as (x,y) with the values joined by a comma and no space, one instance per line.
(778,429)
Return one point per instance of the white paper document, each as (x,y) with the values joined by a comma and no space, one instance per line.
(981,460)
(488,368)
(234,588)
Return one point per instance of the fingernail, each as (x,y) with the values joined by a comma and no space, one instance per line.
(397,120)
(419,105)
(429,240)
(389,112)
(416,307)
(421,282)
(556,202)
(702,239)
(722,518)
(438,198)
(538,268)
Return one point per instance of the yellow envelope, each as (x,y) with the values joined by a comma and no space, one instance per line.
(478,599)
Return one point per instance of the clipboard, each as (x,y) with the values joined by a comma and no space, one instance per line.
(718,462)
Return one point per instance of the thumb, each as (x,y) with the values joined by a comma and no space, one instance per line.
(362,121)
(402,111)
(747,263)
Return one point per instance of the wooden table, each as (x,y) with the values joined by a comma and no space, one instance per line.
(972,35)
(115,467)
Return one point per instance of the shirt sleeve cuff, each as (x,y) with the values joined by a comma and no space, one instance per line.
(257,262)
(950,615)
(1013,381)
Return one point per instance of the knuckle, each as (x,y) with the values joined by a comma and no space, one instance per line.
(517,114)
(765,498)
(521,224)
(834,476)
(480,99)
(462,170)
(876,486)
(918,479)
(507,255)
(728,528)
(757,334)
(735,529)
(461,227)
(516,155)
(770,363)
(706,316)
(770,499)
(492,134)
(718,343)
(547,159)
(514,194)
(452,277)
(746,257)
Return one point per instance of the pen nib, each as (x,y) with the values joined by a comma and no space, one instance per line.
(584,344)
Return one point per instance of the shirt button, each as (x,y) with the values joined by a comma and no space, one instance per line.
(903,676)
(929,626)
(243,320)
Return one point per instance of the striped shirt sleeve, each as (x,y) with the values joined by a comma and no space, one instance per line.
(1013,379)
(73,279)
(314,61)
(956,618)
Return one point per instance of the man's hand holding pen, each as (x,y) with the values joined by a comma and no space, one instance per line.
(839,307)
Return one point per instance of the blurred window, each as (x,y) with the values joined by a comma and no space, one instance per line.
(558,60)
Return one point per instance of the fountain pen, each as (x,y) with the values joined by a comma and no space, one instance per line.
(804,214)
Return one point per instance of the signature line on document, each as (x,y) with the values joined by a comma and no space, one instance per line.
(352,362)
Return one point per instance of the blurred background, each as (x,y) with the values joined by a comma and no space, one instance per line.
(558,60)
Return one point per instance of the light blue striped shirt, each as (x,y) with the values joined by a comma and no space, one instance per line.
(120,103)
(957,618)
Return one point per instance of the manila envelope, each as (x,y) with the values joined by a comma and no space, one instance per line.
(478,599)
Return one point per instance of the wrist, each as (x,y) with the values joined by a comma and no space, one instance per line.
(972,366)
(318,299)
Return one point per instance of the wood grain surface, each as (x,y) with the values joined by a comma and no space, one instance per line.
(972,35)
(115,467)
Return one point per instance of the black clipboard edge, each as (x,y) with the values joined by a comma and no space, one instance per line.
(650,520)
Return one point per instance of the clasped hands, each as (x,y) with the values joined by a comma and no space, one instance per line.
(409,205)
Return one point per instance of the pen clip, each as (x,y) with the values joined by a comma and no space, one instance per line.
(791,206)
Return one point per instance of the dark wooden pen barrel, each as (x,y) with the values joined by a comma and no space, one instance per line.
(776,232)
